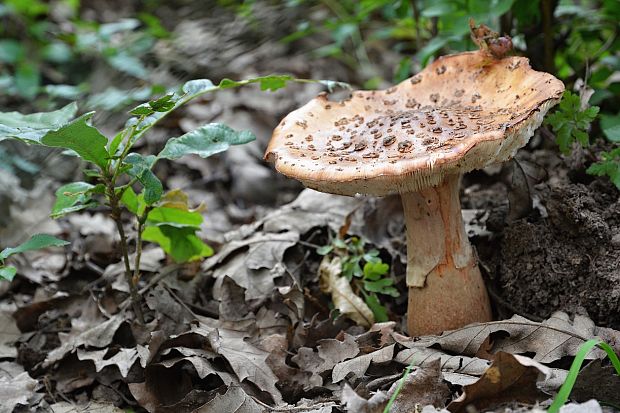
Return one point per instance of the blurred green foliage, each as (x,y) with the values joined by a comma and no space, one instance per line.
(46,49)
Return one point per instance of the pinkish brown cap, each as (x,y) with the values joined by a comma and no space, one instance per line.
(462,112)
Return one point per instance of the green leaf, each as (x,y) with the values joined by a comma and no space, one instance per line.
(126,63)
(374,270)
(141,170)
(382,286)
(581,137)
(7,273)
(81,138)
(27,80)
(68,92)
(563,139)
(378,310)
(274,82)
(142,110)
(57,52)
(72,197)
(181,244)
(36,242)
(31,128)
(163,104)
(115,143)
(611,127)
(205,141)
(609,165)
(325,249)
(175,217)
(198,86)
(11,51)
(130,200)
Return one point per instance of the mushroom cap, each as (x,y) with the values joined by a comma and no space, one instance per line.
(462,112)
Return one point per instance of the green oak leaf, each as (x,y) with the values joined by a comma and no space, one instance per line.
(7,273)
(31,128)
(73,197)
(205,141)
(181,244)
(35,242)
(141,170)
(81,138)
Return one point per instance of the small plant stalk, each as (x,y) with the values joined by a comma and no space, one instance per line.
(132,279)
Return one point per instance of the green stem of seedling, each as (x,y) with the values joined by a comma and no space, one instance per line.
(571,378)
(136,269)
(116,216)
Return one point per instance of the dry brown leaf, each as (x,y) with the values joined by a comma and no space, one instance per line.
(98,336)
(423,386)
(235,400)
(356,403)
(359,365)
(343,297)
(9,333)
(459,370)
(247,361)
(329,353)
(510,378)
(550,340)
(599,382)
(16,386)
(90,407)
(200,360)
(124,359)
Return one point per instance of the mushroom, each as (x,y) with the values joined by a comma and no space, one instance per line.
(462,112)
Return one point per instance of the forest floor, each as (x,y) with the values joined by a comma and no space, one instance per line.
(249,330)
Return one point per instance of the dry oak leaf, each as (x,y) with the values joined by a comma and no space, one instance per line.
(459,370)
(235,400)
(247,361)
(359,365)
(510,378)
(9,333)
(98,336)
(550,340)
(423,386)
(16,386)
(124,359)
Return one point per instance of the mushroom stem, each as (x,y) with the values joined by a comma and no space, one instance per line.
(446,290)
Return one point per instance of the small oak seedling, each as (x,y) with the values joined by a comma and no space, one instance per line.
(116,172)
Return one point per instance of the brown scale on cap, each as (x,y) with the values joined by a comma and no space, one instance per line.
(479,126)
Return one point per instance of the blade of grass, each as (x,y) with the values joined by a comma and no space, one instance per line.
(388,407)
(583,351)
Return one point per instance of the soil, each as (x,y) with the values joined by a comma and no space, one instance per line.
(565,259)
